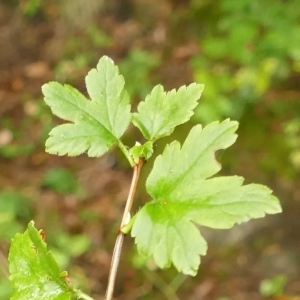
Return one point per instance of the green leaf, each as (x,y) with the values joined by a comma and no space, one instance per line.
(161,112)
(183,192)
(169,237)
(96,124)
(273,286)
(34,272)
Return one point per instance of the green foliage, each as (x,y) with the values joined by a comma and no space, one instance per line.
(97,124)
(34,272)
(182,193)
(181,185)
(161,112)
(62,181)
(292,136)
(13,206)
(136,69)
(99,38)
(5,289)
(273,286)
(13,151)
(245,51)
(65,246)
(32,7)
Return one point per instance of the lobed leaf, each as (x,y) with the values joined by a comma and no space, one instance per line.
(183,192)
(96,124)
(161,112)
(167,236)
(34,272)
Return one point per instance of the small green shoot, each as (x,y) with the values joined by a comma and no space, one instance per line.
(182,183)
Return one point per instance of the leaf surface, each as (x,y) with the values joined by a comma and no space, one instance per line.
(96,124)
(161,112)
(34,272)
(184,193)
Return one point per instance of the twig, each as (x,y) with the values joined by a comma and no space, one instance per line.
(120,238)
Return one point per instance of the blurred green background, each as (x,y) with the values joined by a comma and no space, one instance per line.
(246,52)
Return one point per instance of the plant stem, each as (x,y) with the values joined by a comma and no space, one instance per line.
(126,153)
(120,238)
(82,295)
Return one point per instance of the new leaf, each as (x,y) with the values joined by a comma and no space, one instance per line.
(183,192)
(161,112)
(34,272)
(96,124)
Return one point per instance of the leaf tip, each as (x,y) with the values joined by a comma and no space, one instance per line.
(108,59)
(233,123)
